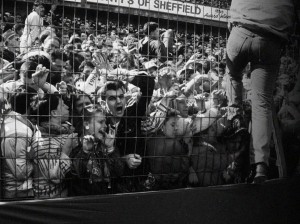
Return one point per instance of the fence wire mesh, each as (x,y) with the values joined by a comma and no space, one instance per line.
(105,97)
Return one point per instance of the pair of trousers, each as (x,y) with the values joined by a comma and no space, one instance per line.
(263,53)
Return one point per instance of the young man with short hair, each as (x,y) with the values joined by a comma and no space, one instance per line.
(126,123)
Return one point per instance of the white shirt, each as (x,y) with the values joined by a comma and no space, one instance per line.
(33,28)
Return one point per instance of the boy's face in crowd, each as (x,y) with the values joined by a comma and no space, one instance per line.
(20,32)
(87,70)
(83,36)
(155,34)
(115,57)
(88,56)
(130,40)
(246,82)
(170,127)
(68,79)
(68,66)
(81,103)
(97,126)
(188,53)
(221,73)
(165,80)
(182,107)
(59,63)
(175,127)
(174,79)
(18,19)
(113,35)
(115,101)
(152,71)
(65,39)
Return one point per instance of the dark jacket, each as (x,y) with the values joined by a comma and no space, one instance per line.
(150,49)
(128,137)
(81,179)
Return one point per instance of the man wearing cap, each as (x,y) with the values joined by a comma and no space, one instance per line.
(151,46)
(33,26)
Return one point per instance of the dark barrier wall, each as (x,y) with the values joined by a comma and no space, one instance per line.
(273,202)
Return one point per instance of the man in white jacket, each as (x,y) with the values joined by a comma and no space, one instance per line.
(33,27)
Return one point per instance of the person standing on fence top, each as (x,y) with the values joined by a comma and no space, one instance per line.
(33,27)
(259,31)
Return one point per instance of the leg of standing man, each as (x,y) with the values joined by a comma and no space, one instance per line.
(263,53)
(265,60)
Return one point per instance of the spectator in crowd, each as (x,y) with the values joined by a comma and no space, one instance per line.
(58,59)
(12,40)
(151,46)
(30,75)
(168,154)
(95,162)
(52,145)
(6,53)
(33,27)
(19,29)
(16,137)
(126,123)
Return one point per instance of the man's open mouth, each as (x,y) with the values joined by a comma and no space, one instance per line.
(119,109)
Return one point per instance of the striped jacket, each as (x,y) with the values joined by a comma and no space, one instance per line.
(16,137)
(50,165)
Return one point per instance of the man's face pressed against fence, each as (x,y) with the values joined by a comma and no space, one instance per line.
(116,101)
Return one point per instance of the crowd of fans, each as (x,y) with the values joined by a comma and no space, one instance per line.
(123,109)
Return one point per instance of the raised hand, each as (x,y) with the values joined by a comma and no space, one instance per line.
(133,160)
(40,75)
(88,143)
(71,143)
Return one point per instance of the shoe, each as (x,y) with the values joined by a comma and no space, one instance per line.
(251,176)
(261,173)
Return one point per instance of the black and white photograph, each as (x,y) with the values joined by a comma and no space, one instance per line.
(150,111)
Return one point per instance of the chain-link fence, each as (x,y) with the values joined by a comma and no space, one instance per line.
(105,97)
